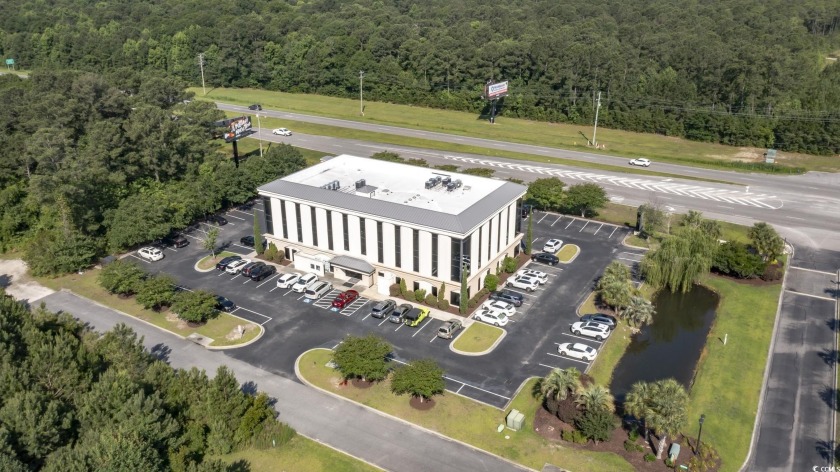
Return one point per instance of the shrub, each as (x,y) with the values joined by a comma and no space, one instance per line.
(573,436)
(509,264)
(394,290)
(197,307)
(441,292)
(596,424)
(633,434)
(649,457)
(772,273)
(271,252)
(472,303)
(443,304)
(156,291)
(121,277)
(737,259)
(706,460)
(279,256)
(566,410)
(420,295)
(491,282)
(431,300)
(669,462)
(403,289)
(631,446)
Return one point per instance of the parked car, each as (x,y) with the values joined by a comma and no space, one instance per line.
(383,309)
(415,316)
(249,241)
(224,304)
(577,351)
(608,320)
(317,290)
(593,330)
(500,307)
(217,219)
(344,299)
(304,282)
(541,277)
(234,267)
(398,315)
(249,268)
(640,162)
(226,261)
(523,283)
(448,330)
(552,245)
(287,280)
(261,272)
(509,296)
(545,258)
(176,240)
(491,317)
(150,253)
(255,106)
(281,132)
(526,210)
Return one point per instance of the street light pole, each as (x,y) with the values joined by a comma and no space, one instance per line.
(361,92)
(595,129)
(702,419)
(259,132)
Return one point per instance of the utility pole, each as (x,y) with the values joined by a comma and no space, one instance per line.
(595,130)
(259,132)
(361,92)
(201,65)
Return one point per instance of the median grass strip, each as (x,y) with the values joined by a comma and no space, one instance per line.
(301,454)
(563,136)
(87,286)
(568,252)
(728,381)
(465,420)
(478,337)
(209,262)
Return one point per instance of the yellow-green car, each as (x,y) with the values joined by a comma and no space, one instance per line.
(415,316)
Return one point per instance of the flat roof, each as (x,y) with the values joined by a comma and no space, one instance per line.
(399,191)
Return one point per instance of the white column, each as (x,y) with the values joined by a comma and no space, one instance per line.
(291,221)
(355,235)
(388,244)
(426,253)
(321,226)
(306,224)
(494,235)
(445,259)
(407,248)
(372,248)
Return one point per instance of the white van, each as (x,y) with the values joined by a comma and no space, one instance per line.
(318,290)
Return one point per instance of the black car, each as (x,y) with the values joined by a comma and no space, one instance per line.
(545,258)
(513,298)
(247,268)
(219,220)
(255,106)
(249,242)
(260,272)
(176,240)
(222,264)
(526,210)
(608,320)
(223,304)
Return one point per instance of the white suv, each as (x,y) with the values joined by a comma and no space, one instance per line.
(533,274)
(491,317)
(523,283)
(499,306)
(593,330)
(640,162)
(150,253)
(304,282)
(281,132)
(288,280)
(552,245)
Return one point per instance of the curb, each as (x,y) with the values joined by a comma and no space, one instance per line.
(396,418)
(625,243)
(575,256)
(235,346)
(484,352)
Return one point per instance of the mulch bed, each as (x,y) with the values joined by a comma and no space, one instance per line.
(194,324)
(551,428)
(425,405)
(359,383)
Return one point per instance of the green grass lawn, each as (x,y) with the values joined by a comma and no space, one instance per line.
(624,143)
(728,383)
(568,252)
(478,337)
(251,147)
(637,241)
(466,420)
(298,455)
(617,214)
(209,262)
(87,286)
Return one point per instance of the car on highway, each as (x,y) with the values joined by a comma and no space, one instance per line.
(248,268)
(545,258)
(514,298)
(226,261)
(541,277)
(448,329)
(345,298)
(287,280)
(217,219)
(262,272)
(552,245)
(150,253)
(383,309)
(224,304)
(303,282)
(577,351)
(608,320)
(491,317)
(248,241)
(235,266)
(255,106)
(416,316)
(398,315)
(591,329)
(523,283)
(281,132)
(499,306)
(640,162)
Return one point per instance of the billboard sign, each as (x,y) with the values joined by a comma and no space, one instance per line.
(10,62)
(236,128)
(494,91)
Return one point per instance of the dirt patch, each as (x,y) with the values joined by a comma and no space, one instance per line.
(359,383)
(173,318)
(17,283)
(422,405)
(239,332)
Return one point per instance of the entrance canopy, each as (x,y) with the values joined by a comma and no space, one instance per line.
(353,264)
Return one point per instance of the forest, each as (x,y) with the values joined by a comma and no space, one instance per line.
(758,73)
(76,400)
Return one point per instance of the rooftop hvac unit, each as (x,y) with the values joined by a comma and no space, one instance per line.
(360,183)
(335,185)
(436,179)
(429,184)
(457,183)
(446,180)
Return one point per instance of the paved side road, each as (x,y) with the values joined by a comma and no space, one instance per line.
(380,440)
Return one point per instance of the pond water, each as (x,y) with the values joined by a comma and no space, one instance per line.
(672,344)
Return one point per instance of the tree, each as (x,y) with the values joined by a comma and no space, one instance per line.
(637,403)
(156,291)
(121,277)
(363,357)
(694,219)
(666,402)
(596,397)
(271,252)
(422,378)
(585,198)
(441,295)
(403,288)
(209,241)
(680,260)
(463,301)
(615,287)
(639,312)
(596,424)
(258,237)
(491,282)
(736,258)
(546,194)
(529,236)
(54,252)
(558,384)
(653,218)
(766,241)
(195,306)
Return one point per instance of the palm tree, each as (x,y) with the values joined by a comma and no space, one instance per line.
(668,404)
(692,218)
(639,312)
(594,397)
(616,286)
(637,403)
(559,383)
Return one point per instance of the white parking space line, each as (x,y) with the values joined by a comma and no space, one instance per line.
(549,366)
(428,322)
(383,321)
(433,338)
(613,231)
(584,226)
(544,215)
(464,384)
(140,259)
(569,358)
(398,327)
(268,318)
(191,236)
(232,216)
(558,219)
(243,247)
(570,223)
(596,231)
(581,337)
(354,310)
(627,259)
(269,280)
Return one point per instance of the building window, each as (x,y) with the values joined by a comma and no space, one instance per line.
(519,216)
(283,219)
(314,227)
(329,230)
(299,225)
(269,221)
(455,298)
(346,232)
(499,234)
(416,285)
(363,233)
(434,291)
(416,247)
(466,254)
(379,250)
(434,254)
(397,246)
(480,249)
(489,241)
(455,269)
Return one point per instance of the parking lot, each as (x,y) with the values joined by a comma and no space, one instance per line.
(294,324)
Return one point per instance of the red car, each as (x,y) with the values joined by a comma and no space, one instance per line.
(345,299)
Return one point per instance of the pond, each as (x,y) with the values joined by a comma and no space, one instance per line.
(672,344)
